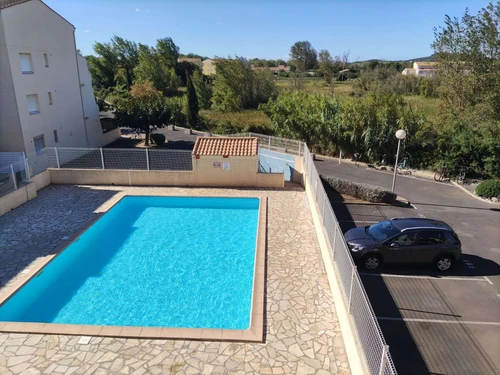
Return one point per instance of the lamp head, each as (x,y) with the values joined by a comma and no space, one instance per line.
(401,134)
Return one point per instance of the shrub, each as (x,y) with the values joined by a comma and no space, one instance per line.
(370,193)
(489,189)
(158,139)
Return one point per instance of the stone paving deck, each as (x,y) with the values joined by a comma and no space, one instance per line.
(302,331)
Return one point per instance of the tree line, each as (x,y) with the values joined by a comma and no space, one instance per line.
(466,131)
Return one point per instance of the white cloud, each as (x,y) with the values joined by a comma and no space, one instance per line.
(139,10)
(87,31)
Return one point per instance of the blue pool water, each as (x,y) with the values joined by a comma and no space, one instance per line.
(151,261)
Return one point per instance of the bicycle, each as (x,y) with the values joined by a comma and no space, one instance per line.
(442,174)
(461,175)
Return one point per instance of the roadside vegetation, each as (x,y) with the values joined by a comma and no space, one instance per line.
(489,189)
(451,118)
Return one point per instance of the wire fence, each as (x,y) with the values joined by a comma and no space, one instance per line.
(13,176)
(371,341)
(115,158)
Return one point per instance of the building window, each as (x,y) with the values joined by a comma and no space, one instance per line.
(26,63)
(56,137)
(50,97)
(39,142)
(46,58)
(33,106)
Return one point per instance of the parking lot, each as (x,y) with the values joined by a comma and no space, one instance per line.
(433,323)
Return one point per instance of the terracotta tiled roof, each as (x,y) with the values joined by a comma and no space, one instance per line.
(9,3)
(226,146)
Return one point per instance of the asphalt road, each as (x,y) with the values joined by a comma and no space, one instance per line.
(434,324)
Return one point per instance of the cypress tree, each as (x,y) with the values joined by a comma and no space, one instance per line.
(192,104)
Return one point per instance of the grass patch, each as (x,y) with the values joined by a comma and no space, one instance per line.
(426,106)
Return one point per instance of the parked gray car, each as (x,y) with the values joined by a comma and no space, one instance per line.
(405,240)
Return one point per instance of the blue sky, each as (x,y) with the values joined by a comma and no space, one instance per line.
(383,29)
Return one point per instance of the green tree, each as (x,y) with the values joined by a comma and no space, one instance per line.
(237,87)
(304,56)
(168,51)
(467,50)
(152,67)
(114,63)
(203,92)
(142,107)
(326,65)
(192,108)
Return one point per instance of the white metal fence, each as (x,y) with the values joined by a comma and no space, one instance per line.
(269,142)
(371,340)
(13,176)
(115,158)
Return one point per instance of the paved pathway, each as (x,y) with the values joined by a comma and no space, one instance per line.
(302,334)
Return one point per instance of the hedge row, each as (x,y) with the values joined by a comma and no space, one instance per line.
(489,189)
(367,192)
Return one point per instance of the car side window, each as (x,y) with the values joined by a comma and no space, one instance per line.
(430,237)
(405,239)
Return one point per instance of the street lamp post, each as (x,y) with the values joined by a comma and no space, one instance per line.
(400,134)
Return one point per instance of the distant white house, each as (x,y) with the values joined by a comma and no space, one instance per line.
(46,96)
(421,69)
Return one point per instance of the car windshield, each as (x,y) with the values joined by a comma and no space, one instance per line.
(382,231)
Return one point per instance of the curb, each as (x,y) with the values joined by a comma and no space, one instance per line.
(474,195)
(425,175)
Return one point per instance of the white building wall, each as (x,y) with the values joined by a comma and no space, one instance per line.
(11,137)
(34,28)
(90,107)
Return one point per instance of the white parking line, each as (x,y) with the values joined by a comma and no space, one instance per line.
(488,280)
(438,321)
(424,277)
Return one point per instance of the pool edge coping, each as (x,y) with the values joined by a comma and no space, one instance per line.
(255,332)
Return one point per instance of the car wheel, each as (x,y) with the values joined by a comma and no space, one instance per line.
(372,261)
(444,262)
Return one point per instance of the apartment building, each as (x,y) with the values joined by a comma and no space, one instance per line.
(46,96)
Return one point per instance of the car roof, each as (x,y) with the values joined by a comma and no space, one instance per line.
(419,222)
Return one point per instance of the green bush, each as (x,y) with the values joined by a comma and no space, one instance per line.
(489,189)
(370,193)
(158,139)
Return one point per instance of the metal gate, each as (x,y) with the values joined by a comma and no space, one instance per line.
(276,162)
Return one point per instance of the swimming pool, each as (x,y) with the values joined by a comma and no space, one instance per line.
(180,262)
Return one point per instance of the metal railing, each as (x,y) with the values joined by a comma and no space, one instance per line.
(269,142)
(370,338)
(113,158)
(13,176)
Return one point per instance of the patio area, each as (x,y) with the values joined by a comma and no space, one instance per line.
(302,333)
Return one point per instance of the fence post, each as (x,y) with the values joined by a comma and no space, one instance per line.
(350,289)
(383,362)
(102,158)
(147,158)
(27,169)
(57,158)
(13,176)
